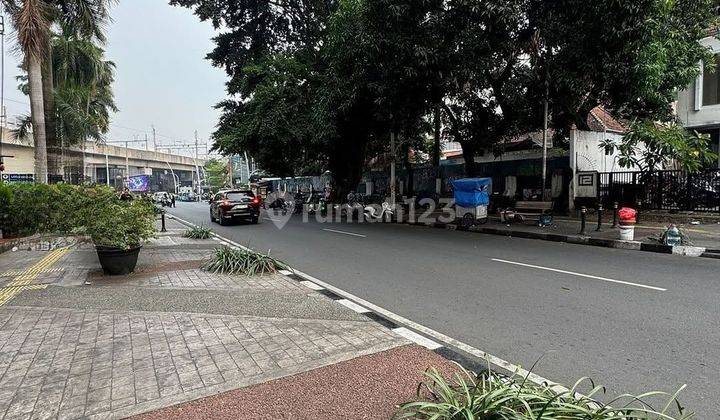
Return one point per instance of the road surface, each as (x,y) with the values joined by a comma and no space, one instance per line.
(633,321)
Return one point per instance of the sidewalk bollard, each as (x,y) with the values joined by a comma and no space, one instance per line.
(599,211)
(615,215)
(583,214)
(163,222)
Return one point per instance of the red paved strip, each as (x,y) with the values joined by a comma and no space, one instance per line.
(368,387)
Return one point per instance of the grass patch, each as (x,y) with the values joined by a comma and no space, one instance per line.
(491,396)
(198,232)
(239,261)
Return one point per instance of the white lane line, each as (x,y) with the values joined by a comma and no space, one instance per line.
(417,338)
(354,306)
(399,319)
(539,267)
(311,285)
(494,360)
(345,233)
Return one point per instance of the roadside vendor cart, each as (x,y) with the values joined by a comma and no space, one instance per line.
(472,197)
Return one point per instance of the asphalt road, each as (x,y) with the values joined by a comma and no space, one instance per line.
(632,321)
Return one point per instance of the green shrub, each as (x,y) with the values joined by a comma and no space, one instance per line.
(198,232)
(239,261)
(26,209)
(491,396)
(112,222)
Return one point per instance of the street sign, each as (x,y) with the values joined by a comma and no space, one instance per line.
(18,177)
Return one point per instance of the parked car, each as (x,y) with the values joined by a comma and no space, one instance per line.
(162,198)
(234,204)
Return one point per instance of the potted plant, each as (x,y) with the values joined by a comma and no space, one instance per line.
(118,228)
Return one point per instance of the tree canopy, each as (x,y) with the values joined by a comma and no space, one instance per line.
(318,85)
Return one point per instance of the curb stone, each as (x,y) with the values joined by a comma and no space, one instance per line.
(456,351)
(687,251)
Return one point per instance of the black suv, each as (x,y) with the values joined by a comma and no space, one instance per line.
(234,204)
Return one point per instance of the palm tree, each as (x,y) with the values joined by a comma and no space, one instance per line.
(33,20)
(83,89)
(83,19)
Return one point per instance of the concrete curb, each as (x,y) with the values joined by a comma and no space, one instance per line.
(688,251)
(467,356)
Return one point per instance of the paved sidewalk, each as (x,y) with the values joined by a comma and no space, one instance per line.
(77,344)
(705,235)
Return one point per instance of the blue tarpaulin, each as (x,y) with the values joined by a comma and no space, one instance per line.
(471,192)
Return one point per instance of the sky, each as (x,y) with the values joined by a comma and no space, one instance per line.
(162,79)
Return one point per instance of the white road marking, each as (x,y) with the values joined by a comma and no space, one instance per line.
(345,233)
(311,285)
(399,319)
(496,361)
(417,338)
(354,306)
(539,267)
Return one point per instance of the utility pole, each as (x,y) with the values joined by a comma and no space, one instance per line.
(247,165)
(107,166)
(392,169)
(146,142)
(197,168)
(545,142)
(2,85)
(127,164)
(230,170)
(154,138)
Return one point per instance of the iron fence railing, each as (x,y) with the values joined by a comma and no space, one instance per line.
(662,190)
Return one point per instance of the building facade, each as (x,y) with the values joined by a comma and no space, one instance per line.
(698,106)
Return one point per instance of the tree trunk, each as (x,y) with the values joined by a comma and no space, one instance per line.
(38,117)
(468,152)
(436,140)
(54,146)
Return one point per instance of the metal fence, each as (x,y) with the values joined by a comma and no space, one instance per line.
(662,190)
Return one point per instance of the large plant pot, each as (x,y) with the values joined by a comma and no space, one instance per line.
(116,261)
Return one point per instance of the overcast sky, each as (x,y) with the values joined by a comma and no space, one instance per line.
(162,75)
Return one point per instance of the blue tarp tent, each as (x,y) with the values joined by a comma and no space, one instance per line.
(471,192)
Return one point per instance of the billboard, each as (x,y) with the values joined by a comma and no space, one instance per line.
(139,183)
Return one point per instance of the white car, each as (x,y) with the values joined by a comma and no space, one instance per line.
(161,197)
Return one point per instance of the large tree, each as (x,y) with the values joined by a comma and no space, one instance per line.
(31,19)
(332,80)
(34,21)
(82,95)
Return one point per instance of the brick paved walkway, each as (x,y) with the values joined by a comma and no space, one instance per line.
(202,279)
(66,363)
(97,351)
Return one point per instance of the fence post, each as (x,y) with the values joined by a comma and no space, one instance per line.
(615,215)
(661,189)
(689,197)
(583,215)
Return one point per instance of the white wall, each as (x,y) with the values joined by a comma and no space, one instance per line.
(689,105)
(586,154)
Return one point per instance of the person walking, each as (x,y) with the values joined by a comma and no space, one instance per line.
(172,200)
